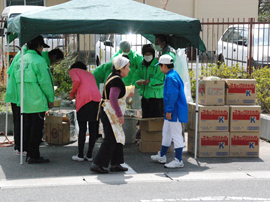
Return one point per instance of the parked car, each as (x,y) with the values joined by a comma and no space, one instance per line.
(237,42)
(108,45)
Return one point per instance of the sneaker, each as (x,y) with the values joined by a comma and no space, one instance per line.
(18,153)
(158,158)
(174,164)
(88,159)
(76,158)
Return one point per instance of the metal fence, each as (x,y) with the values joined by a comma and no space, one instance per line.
(230,41)
(235,42)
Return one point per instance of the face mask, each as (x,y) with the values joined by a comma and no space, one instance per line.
(126,53)
(148,58)
(158,48)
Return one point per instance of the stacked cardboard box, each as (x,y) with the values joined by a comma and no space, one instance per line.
(239,121)
(57,130)
(245,119)
(213,121)
(151,134)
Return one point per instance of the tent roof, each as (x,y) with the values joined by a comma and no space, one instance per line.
(102,17)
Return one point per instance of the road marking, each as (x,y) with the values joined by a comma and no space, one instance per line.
(130,170)
(118,178)
(211,198)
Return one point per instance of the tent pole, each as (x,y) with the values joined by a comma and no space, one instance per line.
(197,96)
(6,130)
(21,136)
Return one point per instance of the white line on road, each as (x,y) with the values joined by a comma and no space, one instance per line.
(211,198)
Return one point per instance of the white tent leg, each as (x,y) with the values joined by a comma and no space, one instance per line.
(197,96)
(21,136)
(6,131)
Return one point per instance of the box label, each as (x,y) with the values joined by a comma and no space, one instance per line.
(219,141)
(242,88)
(245,140)
(219,115)
(251,115)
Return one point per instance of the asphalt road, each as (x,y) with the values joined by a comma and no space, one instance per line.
(204,179)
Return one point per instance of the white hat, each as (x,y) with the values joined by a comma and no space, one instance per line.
(119,62)
(165,59)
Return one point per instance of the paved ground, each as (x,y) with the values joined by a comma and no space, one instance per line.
(62,166)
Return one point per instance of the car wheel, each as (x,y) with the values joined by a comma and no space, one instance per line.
(220,60)
(97,61)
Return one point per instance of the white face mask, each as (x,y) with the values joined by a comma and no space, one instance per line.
(126,53)
(158,48)
(148,58)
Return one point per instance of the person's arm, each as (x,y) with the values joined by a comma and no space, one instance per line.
(44,81)
(114,94)
(99,74)
(138,75)
(157,81)
(172,92)
(76,83)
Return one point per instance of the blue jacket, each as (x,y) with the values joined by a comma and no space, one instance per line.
(174,97)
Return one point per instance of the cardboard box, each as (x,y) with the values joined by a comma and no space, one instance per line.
(56,131)
(211,92)
(245,118)
(209,144)
(154,136)
(152,147)
(191,113)
(211,118)
(244,144)
(151,124)
(240,91)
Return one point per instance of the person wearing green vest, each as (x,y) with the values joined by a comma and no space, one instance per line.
(162,46)
(102,72)
(11,96)
(51,58)
(134,58)
(38,96)
(149,79)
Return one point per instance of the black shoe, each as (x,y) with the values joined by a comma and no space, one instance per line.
(118,168)
(98,169)
(35,161)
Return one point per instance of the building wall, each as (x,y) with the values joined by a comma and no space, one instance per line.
(55,2)
(210,11)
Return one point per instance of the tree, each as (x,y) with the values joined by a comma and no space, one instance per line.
(264,11)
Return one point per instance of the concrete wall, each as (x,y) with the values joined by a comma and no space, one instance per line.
(209,8)
(210,11)
(265,127)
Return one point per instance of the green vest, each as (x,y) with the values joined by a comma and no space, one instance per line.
(155,87)
(135,61)
(38,88)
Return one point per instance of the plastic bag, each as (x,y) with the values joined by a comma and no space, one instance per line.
(181,67)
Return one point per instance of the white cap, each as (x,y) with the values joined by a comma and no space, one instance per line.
(165,59)
(119,62)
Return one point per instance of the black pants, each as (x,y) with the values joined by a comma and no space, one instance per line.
(87,114)
(109,150)
(32,132)
(17,125)
(152,107)
(93,133)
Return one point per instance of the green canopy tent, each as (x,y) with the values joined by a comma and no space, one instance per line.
(103,17)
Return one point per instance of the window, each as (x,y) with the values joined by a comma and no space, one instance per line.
(22,2)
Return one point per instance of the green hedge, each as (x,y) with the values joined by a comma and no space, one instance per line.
(261,75)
